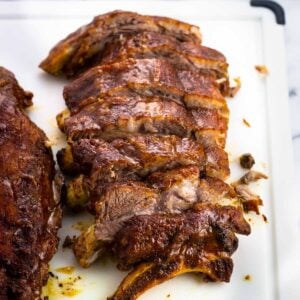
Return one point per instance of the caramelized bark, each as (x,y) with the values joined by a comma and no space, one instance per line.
(150,77)
(161,247)
(30,214)
(131,158)
(170,192)
(183,55)
(119,117)
(79,50)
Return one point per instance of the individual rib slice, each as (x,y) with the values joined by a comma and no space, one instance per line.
(148,152)
(116,117)
(157,236)
(178,190)
(147,275)
(30,214)
(78,50)
(199,241)
(119,117)
(134,157)
(183,55)
(150,77)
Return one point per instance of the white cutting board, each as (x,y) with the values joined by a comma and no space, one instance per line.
(248,37)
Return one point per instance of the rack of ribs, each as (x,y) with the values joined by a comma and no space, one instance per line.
(146,125)
(30,212)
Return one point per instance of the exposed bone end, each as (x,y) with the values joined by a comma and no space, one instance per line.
(235,87)
(147,275)
(57,59)
(77,196)
(87,248)
(61,117)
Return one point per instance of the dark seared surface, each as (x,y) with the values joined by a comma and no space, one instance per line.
(169,192)
(29,215)
(199,241)
(156,236)
(112,117)
(79,50)
(119,201)
(148,275)
(11,92)
(183,55)
(141,154)
(123,159)
(119,117)
(210,126)
(145,77)
(122,116)
(147,43)
(217,164)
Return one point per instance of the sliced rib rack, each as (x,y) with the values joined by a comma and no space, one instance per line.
(146,128)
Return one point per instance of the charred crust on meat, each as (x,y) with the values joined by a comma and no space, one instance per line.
(31,216)
(77,51)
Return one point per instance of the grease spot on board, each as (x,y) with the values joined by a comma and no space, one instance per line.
(247,277)
(66,270)
(56,287)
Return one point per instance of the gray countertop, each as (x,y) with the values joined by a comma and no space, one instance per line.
(292,9)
